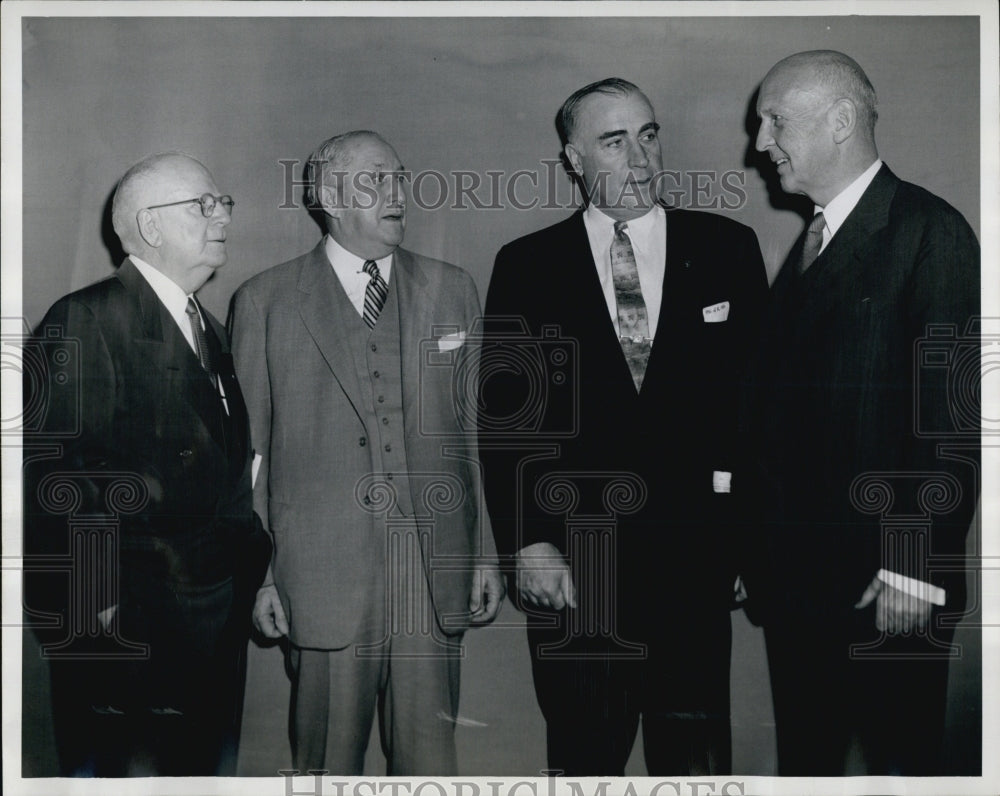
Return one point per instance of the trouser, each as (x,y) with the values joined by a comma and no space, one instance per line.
(593,691)
(888,696)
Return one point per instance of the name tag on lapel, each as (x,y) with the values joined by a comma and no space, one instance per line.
(717,313)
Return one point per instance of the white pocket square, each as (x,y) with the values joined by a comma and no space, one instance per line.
(717,313)
(449,342)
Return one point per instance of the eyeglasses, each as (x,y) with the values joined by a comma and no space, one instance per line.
(207,202)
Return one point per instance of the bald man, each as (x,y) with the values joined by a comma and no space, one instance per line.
(148,493)
(868,482)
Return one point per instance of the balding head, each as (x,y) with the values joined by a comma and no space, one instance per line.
(145,184)
(833,75)
(817,112)
(157,217)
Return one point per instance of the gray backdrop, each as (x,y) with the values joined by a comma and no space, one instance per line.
(252,97)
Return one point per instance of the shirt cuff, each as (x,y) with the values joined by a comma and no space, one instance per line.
(913,587)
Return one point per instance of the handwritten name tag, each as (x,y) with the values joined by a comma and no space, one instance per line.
(716,313)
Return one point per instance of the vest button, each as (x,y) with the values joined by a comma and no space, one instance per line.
(362,442)
(388,477)
(388,447)
(374,347)
(367,500)
(375,373)
(381,399)
(385,421)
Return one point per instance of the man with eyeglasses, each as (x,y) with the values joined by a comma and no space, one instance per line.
(160,454)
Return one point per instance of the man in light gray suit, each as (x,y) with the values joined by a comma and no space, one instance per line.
(368,476)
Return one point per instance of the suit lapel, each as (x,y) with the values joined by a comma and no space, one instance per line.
(590,304)
(815,292)
(162,343)
(414,321)
(318,301)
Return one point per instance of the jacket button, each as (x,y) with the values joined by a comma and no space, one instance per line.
(388,447)
(374,347)
(385,421)
(362,442)
(375,373)
(381,399)
(367,500)
(186,454)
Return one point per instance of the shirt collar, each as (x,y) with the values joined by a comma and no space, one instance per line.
(171,295)
(839,208)
(348,265)
(640,230)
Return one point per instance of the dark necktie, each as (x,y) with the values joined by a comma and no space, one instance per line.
(813,242)
(633,324)
(200,340)
(375,293)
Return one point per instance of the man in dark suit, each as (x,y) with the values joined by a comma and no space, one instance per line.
(866,424)
(140,530)
(369,475)
(614,341)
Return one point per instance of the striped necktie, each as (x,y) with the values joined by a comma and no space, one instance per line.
(633,324)
(375,293)
(200,339)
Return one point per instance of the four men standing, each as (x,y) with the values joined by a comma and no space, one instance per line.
(615,489)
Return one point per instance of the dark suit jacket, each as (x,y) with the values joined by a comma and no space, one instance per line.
(842,389)
(140,440)
(311,423)
(559,405)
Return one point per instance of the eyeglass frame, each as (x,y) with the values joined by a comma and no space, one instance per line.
(216,201)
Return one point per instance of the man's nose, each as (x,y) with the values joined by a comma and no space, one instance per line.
(764,137)
(221,215)
(637,156)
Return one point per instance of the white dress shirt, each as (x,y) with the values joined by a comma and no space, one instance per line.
(839,208)
(649,245)
(173,297)
(348,268)
(835,214)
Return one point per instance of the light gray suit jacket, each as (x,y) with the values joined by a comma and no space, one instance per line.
(309,424)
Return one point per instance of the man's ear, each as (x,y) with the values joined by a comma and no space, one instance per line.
(329,199)
(845,119)
(149,230)
(574,159)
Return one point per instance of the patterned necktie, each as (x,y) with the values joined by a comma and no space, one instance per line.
(375,293)
(633,325)
(200,339)
(813,242)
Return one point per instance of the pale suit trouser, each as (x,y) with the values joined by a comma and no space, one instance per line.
(402,665)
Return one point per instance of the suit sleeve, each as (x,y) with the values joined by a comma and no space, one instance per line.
(249,341)
(69,385)
(943,300)
(467,394)
(504,398)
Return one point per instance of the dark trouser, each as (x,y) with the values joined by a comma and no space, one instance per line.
(175,712)
(890,698)
(592,692)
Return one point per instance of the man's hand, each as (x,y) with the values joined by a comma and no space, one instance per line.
(268,615)
(543,577)
(488,590)
(896,611)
